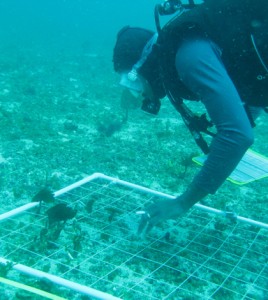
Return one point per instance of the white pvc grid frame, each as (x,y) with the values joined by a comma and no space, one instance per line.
(198,256)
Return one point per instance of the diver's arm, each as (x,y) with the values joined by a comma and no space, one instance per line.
(199,65)
(200,68)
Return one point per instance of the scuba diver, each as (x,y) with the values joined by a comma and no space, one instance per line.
(215,52)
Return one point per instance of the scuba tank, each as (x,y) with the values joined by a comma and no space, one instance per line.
(195,124)
(169,7)
(243,40)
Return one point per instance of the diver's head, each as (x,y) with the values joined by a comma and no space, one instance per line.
(129,47)
(133,45)
(132,48)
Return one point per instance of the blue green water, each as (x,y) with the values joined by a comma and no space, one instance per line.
(68,24)
(57,85)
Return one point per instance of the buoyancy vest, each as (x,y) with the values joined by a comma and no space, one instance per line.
(239,28)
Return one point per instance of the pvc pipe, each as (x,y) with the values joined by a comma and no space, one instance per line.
(233,216)
(60,281)
(134,186)
(198,206)
(78,183)
(252,222)
(84,289)
(18,210)
(28,206)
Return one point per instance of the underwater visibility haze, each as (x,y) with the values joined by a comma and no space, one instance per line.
(63,117)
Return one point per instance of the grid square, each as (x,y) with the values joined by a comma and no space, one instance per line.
(197,257)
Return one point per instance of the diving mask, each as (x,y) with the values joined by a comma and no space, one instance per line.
(135,86)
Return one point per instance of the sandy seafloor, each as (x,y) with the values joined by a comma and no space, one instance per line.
(50,108)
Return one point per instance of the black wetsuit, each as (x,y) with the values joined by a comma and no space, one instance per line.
(210,52)
(200,68)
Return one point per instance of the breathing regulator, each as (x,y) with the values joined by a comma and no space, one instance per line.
(169,7)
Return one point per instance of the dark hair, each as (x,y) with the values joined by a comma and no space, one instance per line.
(129,46)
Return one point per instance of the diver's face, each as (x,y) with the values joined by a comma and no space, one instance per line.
(138,86)
(134,85)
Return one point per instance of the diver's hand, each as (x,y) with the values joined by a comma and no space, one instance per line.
(169,208)
(159,211)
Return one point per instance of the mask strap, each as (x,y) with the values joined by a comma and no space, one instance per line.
(133,74)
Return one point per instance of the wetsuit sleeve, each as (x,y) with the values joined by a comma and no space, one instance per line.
(200,68)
